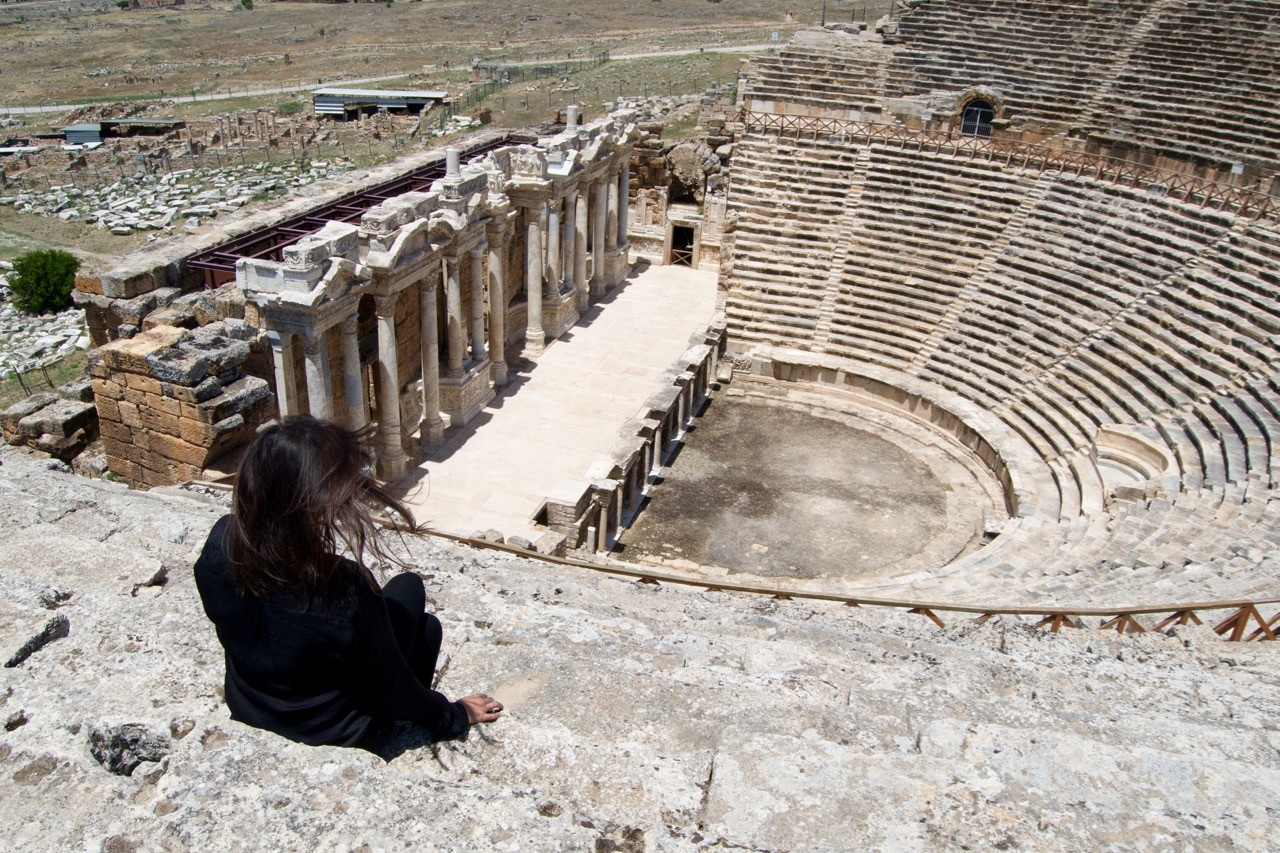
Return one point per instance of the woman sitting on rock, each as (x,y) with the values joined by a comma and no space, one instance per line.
(315,650)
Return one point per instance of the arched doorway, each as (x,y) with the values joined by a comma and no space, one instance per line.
(977,118)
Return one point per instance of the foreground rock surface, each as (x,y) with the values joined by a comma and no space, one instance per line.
(639,717)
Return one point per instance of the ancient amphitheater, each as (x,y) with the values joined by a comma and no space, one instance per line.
(1032,244)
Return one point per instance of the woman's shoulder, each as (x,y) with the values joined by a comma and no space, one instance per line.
(217,547)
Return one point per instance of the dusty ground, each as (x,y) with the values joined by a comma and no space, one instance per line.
(776,491)
(219,45)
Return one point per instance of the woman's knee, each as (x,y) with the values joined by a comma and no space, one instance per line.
(432,631)
(407,589)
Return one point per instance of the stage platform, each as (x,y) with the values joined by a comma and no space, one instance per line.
(561,413)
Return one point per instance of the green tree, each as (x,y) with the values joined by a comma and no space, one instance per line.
(42,280)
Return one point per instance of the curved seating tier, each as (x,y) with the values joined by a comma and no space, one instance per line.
(1044,56)
(1201,77)
(1059,305)
(821,74)
(1193,79)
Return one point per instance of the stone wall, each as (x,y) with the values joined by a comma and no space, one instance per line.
(172,402)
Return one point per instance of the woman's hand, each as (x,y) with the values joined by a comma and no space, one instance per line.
(481,708)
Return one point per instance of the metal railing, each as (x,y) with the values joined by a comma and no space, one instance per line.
(1181,186)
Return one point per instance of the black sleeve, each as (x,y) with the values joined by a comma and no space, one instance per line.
(386,683)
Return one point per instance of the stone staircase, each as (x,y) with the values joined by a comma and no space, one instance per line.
(639,717)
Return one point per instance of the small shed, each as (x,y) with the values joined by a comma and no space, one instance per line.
(91,132)
(345,103)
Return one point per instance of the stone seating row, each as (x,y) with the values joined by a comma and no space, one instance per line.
(1209,535)
(817,79)
(1045,54)
(1227,81)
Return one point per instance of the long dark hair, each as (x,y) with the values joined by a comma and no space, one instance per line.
(304,492)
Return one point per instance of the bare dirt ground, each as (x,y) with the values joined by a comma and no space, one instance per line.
(141,52)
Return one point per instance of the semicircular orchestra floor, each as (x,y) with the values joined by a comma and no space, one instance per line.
(783,482)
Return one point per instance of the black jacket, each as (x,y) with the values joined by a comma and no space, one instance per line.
(327,672)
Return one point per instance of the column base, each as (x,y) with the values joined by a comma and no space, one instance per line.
(559,313)
(463,397)
(499,373)
(430,435)
(392,466)
(584,302)
(535,341)
(617,266)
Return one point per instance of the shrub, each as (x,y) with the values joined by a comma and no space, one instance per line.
(248,4)
(288,108)
(42,281)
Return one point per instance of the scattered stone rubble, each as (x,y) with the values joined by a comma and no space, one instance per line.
(27,342)
(639,717)
(163,203)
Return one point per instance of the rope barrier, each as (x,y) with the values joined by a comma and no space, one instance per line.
(1235,628)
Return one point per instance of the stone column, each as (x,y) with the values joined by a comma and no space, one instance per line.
(624,201)
(611,224)
(535,336)
(352,376)
(454,330)
(393,460)
(498,311)
(431,428)
(580,249)
(477,303)
(598,238)
(286,382)
(554,238)
(316,358)
(568,241)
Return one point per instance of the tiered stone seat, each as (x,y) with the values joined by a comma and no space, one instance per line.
(1063,303)
(1215,97)
(1084,254)
(786,196)
(923,224)
(813,79)
(1060,310)
(707,718)
(1045,56)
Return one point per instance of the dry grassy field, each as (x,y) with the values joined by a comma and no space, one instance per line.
(74,51)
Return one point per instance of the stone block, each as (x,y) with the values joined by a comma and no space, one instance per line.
(61,418)
(195,432)
(113,431)
(550,544)
(174,448)
(13,415)
(144,384)
(206,390)
(228,302)
(177,366)
(126,284)
(235,398)
(108,409)
(180,316)
(161,422)
(131,355)
(89,284)
(77,389)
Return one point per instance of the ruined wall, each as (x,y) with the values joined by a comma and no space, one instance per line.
(171,401)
